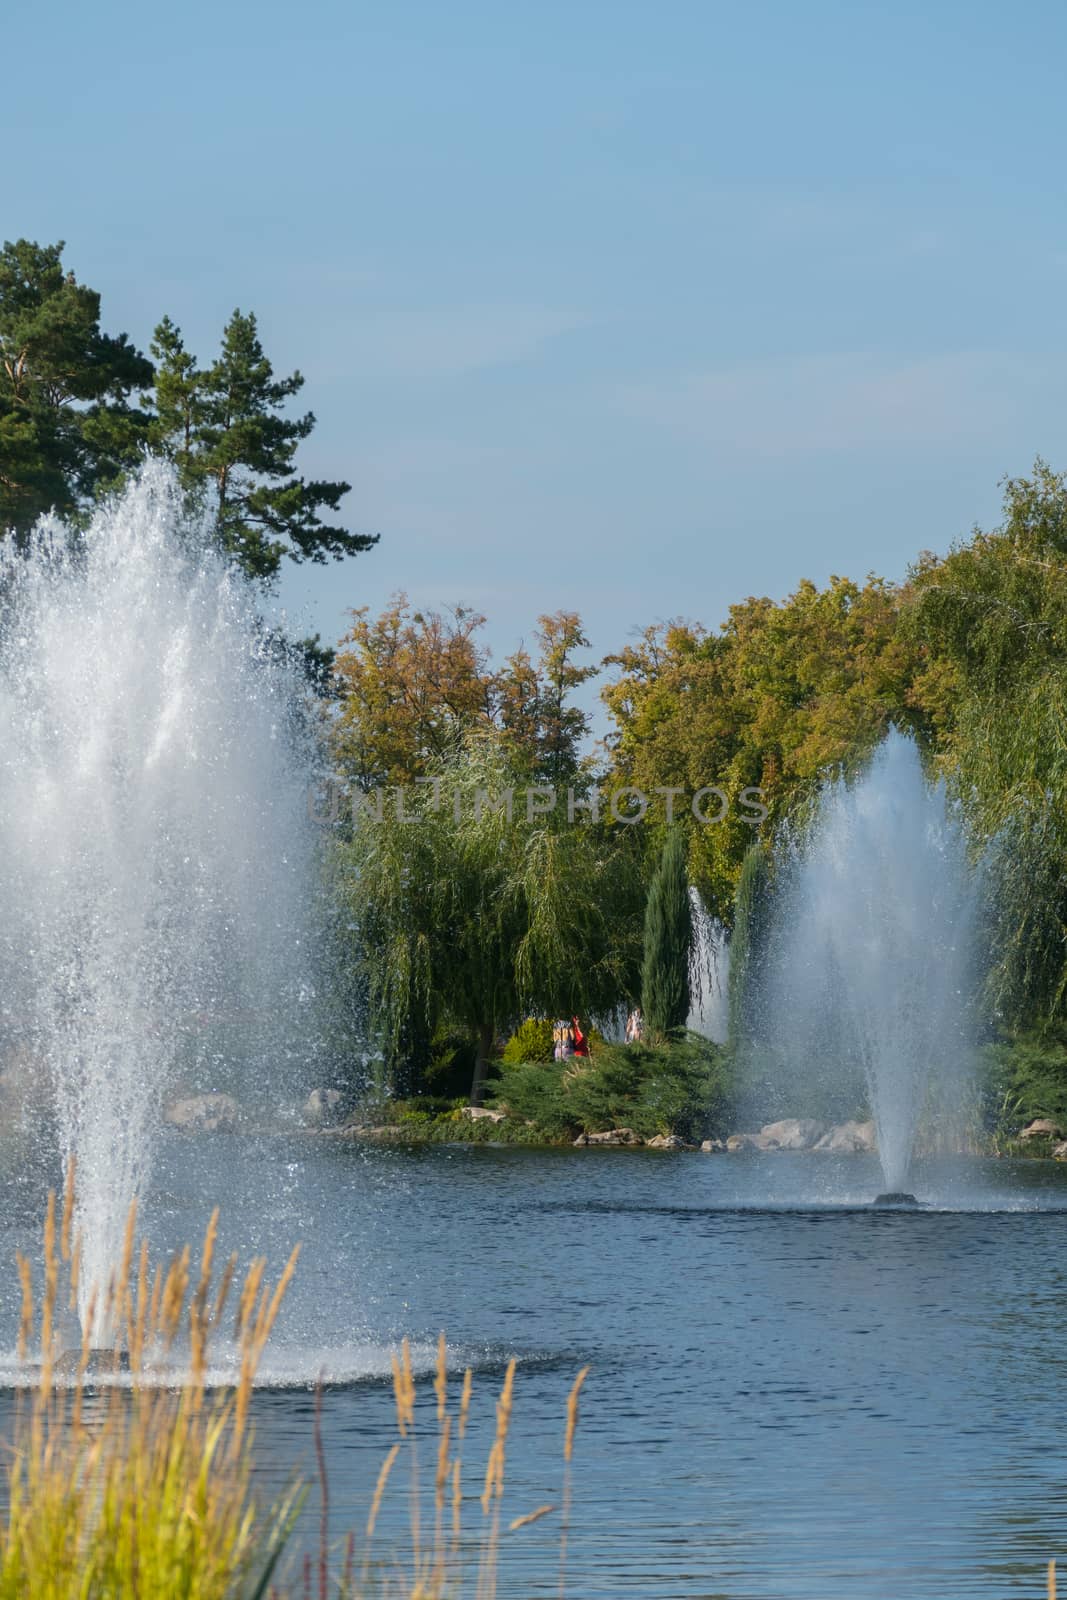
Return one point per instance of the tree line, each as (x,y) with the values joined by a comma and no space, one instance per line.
(470,920)
(967,653)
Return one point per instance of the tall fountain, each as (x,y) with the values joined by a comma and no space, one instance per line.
(156,858)
(865,984)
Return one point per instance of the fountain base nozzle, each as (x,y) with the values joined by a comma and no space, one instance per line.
(895,1197)
(103,1361)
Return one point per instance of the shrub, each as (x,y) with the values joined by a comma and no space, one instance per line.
(1025,1077)
(531,1041)
(451,1065)
(676,1088)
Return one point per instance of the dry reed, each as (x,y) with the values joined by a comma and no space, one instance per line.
(130,1471)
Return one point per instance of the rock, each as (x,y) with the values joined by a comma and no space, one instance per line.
(321,1106)
(711,1146)
(614,1136)
(1042,1128)
(848,1138)
(744,1141)
(581,1141)
(793,1133)
(205,1113)
(667,1141)
(482,1114)
(1059,1152)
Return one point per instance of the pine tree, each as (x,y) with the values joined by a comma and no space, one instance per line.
(668,942)
(245,454)
(67,428)
(179,401)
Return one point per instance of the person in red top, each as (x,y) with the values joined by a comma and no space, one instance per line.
(581,1043)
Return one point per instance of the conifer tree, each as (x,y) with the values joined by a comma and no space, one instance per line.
(67,428)
(179,401)
(246,450)
(668,942)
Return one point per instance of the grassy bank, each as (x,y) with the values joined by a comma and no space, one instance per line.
(676,1088)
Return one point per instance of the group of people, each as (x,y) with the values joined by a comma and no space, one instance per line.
(569,1040)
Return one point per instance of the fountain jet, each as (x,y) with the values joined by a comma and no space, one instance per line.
(156,858)
(864,993)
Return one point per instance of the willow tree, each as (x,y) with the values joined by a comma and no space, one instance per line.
(991,619)
(668,942)
(476,900)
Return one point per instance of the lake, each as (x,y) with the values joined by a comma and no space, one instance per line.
(791,1394)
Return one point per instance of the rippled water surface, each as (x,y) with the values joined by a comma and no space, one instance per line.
(791,1394)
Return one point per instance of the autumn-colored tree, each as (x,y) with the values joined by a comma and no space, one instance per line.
(562,724)
(412,685)
(782,696)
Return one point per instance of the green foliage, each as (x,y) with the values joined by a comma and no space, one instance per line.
(531,1041)
(780,695)
(465,914)
(678,1088)
(1025,1077)
(668,942)
(227,430)
(452,1059)
(991,622)
(67,427)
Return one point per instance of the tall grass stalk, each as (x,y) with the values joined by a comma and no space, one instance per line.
(140,1486)
(130,1472)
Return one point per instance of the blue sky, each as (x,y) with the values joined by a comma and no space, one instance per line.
(631,309)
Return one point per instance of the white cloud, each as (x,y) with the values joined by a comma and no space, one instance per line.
(846,402)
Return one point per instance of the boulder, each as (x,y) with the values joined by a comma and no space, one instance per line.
(482,1114)
(711,1146)
(614,1136)
(1059,1152)
(793,1133)
(321,1106)
(667,1141)
(205,1113)
(745,1141)
(1042,1128)
(848,1138)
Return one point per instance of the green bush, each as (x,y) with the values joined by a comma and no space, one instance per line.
(531,1041)
(676,1088)
(451,1064)
(1025,1077)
